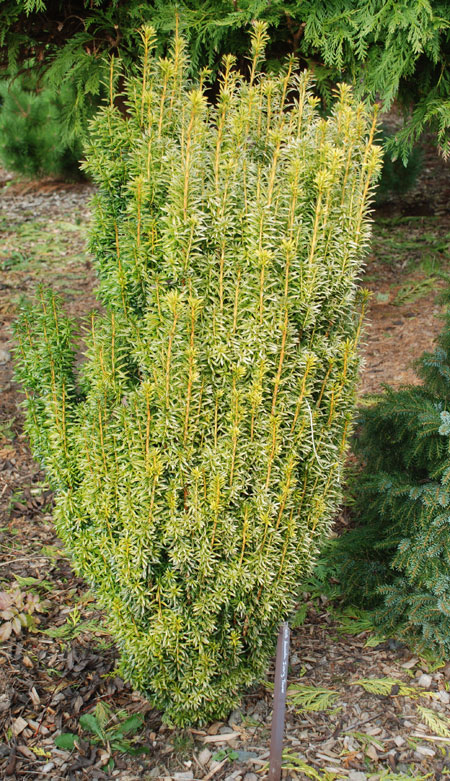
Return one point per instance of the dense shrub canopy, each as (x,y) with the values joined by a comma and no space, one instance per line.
(197,456)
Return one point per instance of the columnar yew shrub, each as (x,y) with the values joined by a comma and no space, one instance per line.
(196,456)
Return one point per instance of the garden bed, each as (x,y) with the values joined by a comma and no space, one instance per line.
(51,677)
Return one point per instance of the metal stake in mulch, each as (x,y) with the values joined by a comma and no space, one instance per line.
(279,703)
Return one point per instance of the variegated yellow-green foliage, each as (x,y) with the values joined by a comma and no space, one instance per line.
(196,456)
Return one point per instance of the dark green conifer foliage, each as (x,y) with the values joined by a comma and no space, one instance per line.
(397,176)
(388,50)
(31,137)
(197,456)
(397,558)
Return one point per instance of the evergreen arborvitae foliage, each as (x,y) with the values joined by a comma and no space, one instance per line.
(196,457)
(31,139)
(397,176)
(389,51)
(397,557)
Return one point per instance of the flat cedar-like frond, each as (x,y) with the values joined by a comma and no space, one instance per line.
(293,761)
(385,686)
(311,698)
(437,723)
(197,453)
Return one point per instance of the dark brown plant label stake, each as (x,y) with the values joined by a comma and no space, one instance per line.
(279,702)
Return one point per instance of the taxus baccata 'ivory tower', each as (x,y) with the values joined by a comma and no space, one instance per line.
(196,455)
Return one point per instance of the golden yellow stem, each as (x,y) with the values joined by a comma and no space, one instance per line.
(344,438)
(144,76)
(191,371)
(139,197)
(269,110)
(244,533)
(218,145)
(285,496)
(216,413)
(113,343)
(221,269)
(147,427)
(273,171)
(286,84)
(63,411)
(119,262)
(280,363)
(272,454)
(187,161)
(100,420)
(347,168)
(152,498)
(200,399)
(102,363)
(261,291)
(216,518)
(158,599)
(189,247)
(244,185)
(302,393)
(235,433)
(332,401)
(233,457)
(330,366)
(360,322)
(316,228)
(285,546)
(158,303)
(88,456)
(301,105)
(283,337)
(55,398)
(111,82)
(149,149)
(161,105)
(236,298)
(169,353)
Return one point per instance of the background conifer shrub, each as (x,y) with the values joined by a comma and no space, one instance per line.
(398,176)
(397,557)
(197,456)
(31,138)
(388,51)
